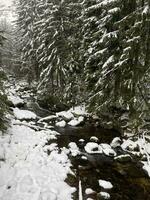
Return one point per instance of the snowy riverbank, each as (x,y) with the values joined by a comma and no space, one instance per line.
(34,166)
(27,171)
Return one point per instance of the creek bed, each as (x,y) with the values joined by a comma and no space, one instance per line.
(128,179)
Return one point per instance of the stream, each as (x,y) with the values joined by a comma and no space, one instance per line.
(129,181)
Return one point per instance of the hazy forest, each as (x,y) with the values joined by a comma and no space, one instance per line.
(74,99)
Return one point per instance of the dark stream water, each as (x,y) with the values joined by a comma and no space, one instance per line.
(128,179)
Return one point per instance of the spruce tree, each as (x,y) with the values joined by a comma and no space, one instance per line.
(59,42)
(27,17)
(116,54)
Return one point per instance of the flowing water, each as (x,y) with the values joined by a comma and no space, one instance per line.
(128,179)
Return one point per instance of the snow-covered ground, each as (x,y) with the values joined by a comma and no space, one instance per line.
(32,168)
(24,114)
(27,172)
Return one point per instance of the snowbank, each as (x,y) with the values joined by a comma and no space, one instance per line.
(24,114)
(16,101)
(28,172)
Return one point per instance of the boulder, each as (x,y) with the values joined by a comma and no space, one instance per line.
(76,121)
(65,115)
(124,158)
(16,101)
(105,184)
(107,150)
(61,124)
(103,196)
(116,142)
(93,148)
(94,139)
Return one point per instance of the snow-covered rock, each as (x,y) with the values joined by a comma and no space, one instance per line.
(95,117)
(123,158)
(116,142)
(82,140)
(66,115)
(89,191)
(108,150)
(73,149)
(105,184)
(94,139)
(93,148)
(24,114)
(76,122)
(16,100)
(104,195)
(146,168)
(61,124)
(79,111)
(129,145)
(83,157)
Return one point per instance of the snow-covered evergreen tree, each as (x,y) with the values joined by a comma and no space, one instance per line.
(58,38)
(116,48)
(27,17)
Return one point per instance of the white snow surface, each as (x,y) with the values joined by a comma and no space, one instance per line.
(48,118)
(61,124)
(65,114)
(28,172)
(94,139)
(89,191)
(73,149)
(16,100)
(116,142)
(76,122)
(146,167)
(105,195)
(79,110)
(24,114)
(92,148)
(105,184)
(128,144)
(107,149)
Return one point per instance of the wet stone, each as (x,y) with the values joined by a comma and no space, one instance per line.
(123,158)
